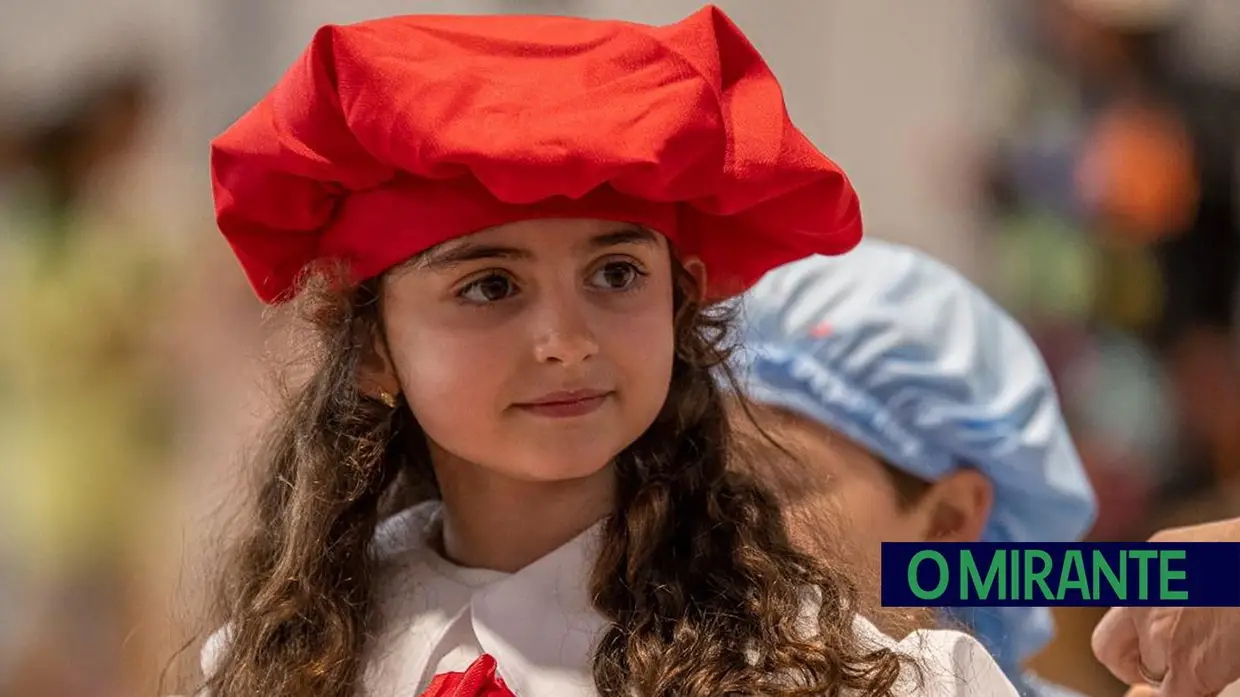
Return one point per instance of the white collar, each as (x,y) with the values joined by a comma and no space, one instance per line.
(538,623)
(541,627)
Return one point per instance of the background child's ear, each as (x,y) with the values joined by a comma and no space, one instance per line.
(957,507)
(376,374)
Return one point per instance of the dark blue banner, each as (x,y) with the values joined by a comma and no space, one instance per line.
(1197,574)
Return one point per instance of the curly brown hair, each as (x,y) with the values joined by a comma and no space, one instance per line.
(697,576)
(817,519)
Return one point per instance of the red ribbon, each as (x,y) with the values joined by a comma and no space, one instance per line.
(479,680)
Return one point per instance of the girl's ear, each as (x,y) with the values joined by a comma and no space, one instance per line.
(697,270)
(376,374)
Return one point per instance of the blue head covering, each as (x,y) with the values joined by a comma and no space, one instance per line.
(905,357)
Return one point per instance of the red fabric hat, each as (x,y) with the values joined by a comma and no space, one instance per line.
(391,136)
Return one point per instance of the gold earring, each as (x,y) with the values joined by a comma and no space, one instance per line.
(387,398)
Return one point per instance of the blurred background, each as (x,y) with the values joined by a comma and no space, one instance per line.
(1078,158)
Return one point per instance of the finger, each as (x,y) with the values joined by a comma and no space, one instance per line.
(1116,645)
(1176,684)
(1155,628)
(1142,691)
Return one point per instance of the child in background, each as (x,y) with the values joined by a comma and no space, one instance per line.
(919,410)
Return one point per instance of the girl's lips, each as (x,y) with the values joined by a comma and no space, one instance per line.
(566,404)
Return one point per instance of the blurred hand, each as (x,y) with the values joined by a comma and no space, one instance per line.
(1192,650)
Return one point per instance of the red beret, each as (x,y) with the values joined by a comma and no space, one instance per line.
(391,136)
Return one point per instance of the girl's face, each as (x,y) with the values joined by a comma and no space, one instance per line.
(537,350)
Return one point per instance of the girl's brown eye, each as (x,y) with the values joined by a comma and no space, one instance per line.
(616,275)
(489,289)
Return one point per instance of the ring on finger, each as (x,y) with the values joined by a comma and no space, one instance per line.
(1148,676)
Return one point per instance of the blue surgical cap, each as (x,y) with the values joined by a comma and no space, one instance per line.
(905,357)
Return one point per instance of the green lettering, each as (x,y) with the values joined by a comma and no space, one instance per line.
(1014,593)
(971,576)
(1166,575)
(912,574)
(1119,584)
(1074,566)
(1039,576)
(1143,570)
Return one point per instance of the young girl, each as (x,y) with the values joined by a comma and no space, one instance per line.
(918,409)
(506,231)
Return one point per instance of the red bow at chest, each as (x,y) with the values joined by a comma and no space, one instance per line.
(479,680)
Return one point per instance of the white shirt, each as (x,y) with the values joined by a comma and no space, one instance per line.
(540,627)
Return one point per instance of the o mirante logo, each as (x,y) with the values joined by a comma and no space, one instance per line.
(1199,574)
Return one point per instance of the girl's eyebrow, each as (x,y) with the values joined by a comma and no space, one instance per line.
(627,235)
(452,254)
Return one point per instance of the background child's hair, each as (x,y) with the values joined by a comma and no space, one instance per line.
(696,574)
